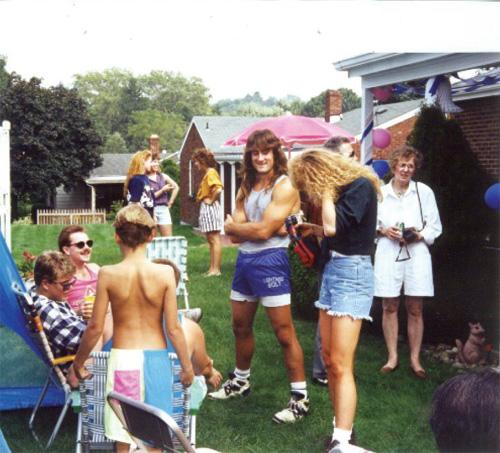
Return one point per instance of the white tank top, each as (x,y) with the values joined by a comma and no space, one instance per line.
(254,206)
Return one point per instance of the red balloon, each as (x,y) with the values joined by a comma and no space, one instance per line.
(382,93)
(381,138)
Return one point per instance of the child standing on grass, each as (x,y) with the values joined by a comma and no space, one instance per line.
(141,294)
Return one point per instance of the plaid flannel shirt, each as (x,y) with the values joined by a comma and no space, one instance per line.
(63,327)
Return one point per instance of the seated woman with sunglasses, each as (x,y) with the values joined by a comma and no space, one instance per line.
(408,222)
(74,242)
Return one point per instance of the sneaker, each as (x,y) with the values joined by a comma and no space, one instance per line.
(231,388)
(322,381)
(194,314)
(297,408)
(337,447)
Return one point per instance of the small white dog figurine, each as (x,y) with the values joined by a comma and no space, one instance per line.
(472,351)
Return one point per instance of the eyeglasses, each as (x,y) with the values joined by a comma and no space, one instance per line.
(66,284)
(82,244)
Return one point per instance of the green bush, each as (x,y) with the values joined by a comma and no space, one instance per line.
(114,208)
(170,168)
(305,288)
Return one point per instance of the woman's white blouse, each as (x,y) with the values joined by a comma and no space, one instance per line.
(394,210)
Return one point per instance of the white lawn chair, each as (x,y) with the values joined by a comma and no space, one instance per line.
(173,248)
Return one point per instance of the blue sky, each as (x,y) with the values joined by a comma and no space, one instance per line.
(236,46)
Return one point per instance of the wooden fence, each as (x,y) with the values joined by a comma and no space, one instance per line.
(69,216)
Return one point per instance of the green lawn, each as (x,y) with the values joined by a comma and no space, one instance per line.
(392,412)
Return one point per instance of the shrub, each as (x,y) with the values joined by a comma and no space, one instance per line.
(170,168)
(113,210)
(305,288)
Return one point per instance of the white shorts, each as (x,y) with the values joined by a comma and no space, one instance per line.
(266,301)
(413,275)
(162,215)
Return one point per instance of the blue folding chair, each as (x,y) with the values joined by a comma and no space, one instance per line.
(19,314)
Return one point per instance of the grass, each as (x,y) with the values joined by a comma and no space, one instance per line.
(392,412)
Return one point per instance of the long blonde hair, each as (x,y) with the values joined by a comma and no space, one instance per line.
(136,167)
(319,171)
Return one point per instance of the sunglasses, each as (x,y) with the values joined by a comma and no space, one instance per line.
(82,244)
(66,284)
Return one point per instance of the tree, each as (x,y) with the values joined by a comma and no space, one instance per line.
(173,93)
(169,126)
(452,170)
(115,144)
(350,100)
(103,93)
(53,140)
(4,75)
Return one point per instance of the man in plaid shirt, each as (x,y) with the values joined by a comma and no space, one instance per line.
(63,327)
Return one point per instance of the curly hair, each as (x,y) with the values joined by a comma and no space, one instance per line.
(260,140)
(318,172)
(136,167)
(205,157)
(405,152)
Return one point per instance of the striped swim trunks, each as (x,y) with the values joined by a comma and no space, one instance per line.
(210,217)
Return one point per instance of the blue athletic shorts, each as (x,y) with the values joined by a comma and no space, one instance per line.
(262,275)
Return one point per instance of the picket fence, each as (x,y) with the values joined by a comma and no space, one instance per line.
(69,216)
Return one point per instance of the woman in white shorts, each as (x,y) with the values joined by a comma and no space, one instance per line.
(408,223)
(162,184)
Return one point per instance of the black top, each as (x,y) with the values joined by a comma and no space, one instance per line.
(356,219)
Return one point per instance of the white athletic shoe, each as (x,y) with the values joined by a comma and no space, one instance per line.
(297,409)
(194,314)
(232,387)
(337,447)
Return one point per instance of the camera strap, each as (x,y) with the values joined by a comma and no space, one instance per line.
(420,207)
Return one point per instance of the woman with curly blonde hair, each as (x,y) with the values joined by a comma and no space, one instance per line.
(347,194)
(137,188)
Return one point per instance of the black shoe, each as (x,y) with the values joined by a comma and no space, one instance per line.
(322,381)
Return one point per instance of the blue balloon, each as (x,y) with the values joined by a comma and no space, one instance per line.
(492,196)
(381,167)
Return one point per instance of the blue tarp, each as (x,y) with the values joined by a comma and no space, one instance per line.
(11,396)
(4,448)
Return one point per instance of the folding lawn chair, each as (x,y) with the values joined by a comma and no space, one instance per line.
(19,314)
(93,396)
(149,426)
(173,248)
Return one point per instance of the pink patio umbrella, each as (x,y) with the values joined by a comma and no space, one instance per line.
(291,129)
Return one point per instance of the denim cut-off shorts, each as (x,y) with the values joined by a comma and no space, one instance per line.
(347,286)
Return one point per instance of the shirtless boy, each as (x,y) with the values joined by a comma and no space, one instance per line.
(141,294)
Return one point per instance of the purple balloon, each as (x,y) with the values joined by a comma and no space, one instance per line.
(492,196)
(381,138)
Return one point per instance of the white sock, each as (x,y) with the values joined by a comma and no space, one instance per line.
(299,387)
(242,374)
(342,435)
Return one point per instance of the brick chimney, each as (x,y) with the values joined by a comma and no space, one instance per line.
(333,104)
